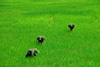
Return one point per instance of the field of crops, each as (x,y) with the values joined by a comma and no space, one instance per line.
(22,21)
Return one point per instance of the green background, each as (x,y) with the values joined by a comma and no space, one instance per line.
(22,21)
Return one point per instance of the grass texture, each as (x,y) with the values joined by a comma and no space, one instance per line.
(22,21)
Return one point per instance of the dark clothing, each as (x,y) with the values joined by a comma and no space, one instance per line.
(29,53)
(71,26)
(40,40)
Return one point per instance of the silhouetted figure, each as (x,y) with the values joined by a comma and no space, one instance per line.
(32,52)
(71,26)
(40,39)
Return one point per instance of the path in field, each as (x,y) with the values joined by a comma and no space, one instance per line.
(52,21)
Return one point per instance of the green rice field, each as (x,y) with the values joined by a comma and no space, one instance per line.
(22,21)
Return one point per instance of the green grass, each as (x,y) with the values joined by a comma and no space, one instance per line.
(21,22)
